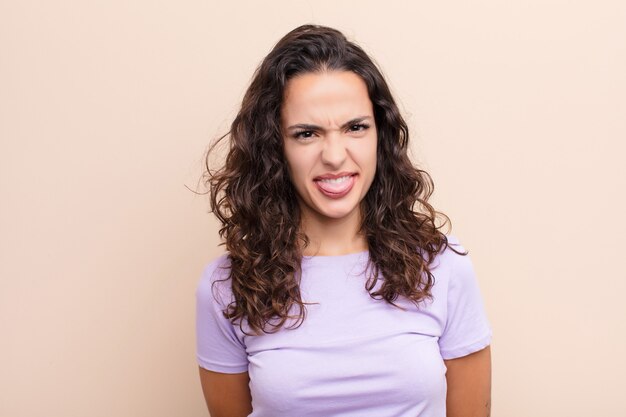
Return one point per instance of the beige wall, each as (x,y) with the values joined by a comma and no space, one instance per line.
(517,110)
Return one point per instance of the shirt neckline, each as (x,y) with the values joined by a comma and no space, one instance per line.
(334,259)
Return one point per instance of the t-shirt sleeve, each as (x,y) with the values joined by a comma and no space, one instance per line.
(218,347)
(467,329)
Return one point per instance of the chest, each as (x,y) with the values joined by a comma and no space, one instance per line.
(350,351)
(363,376)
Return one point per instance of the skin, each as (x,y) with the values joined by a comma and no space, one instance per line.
(332,101)
(226,395)
(469,385)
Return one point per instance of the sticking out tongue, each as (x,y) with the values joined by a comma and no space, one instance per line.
(335,187)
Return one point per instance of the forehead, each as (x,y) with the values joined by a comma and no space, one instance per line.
(340,94)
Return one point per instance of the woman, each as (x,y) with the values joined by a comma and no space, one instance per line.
(338,294)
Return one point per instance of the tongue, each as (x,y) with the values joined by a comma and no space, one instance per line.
(338,187)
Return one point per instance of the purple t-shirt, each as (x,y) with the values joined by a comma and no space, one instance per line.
(353,355)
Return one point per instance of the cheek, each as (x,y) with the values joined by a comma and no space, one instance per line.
(366,155)
(296,165)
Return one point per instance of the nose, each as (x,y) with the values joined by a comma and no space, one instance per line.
(334,151)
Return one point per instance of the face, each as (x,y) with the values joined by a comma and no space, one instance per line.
(330,143)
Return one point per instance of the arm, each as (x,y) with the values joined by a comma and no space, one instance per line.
(226,395)
(469,385)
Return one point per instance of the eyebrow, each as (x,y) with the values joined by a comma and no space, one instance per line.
(315,127)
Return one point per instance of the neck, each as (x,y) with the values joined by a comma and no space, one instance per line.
(332,237)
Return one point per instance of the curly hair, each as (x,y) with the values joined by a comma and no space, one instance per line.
(255,201)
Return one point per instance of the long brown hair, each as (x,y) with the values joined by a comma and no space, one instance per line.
(255,201)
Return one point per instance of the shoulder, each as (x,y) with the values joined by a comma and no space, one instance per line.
(457,269)
(448,255)
(215,280)
(459,261)
(453,242)
(453,263)
(217,267)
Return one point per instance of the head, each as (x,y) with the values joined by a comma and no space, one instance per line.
(330,140)
(293,85)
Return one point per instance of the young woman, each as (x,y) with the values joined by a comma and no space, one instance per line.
(338,295)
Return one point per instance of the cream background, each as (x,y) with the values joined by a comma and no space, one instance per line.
(517,110)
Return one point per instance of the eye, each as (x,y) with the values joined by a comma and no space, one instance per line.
(303,134)
(359,127)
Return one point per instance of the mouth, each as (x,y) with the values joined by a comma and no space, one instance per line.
(336,187)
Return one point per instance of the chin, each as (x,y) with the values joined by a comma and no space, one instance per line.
(327,208)
(338,213)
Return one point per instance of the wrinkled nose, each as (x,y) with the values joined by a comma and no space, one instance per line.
(334,152)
